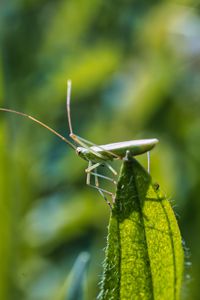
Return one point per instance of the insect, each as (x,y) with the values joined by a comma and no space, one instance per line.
(97,155)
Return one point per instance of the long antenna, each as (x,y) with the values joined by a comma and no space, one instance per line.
(69,87)
(40,123)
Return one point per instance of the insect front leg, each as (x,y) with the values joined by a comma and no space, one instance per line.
(111,168)
(88,174)
(91,167)
(102,191)
(94,167)
(79,140)
(96,186)
(104,177)
(96,177)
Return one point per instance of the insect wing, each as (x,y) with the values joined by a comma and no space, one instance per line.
(136,147)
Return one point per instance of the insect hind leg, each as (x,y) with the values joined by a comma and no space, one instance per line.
(96,186)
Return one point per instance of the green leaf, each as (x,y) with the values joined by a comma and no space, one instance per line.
(144,255)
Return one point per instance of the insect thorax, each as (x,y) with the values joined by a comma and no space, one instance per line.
(89,155)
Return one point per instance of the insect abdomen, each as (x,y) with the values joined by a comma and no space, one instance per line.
(136,147)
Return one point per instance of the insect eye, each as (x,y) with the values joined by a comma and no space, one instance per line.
(78,151)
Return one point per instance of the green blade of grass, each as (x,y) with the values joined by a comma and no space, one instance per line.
(144,255)
(73,287)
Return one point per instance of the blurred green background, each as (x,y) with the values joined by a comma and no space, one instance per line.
(135,69)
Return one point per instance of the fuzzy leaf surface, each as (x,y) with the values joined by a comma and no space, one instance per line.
(144,255)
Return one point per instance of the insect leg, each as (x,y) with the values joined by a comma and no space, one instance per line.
(104,177)
(91,167)
(79,141)
(96,177)
(101,191)
(88,174)
(101,148)
(111,168)
(102,194)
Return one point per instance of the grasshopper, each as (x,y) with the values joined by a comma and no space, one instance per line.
(97,155)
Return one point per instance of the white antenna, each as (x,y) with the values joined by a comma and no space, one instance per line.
(69,87)
(40,123)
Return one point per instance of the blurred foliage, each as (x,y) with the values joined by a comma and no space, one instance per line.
(135,72)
